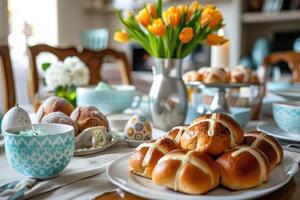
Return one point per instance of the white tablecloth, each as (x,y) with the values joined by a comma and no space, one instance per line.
(87,178)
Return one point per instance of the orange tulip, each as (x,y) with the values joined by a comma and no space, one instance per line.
(121,36)
(158,27)
(211,17)
(195,6)
(214,39)
(143,18)
(151,9)
(172,16)
(183,8)
(186,35)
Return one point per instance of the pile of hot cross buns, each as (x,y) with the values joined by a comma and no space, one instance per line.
(213,150)
(217,75)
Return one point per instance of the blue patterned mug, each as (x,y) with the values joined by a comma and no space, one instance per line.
(40,156)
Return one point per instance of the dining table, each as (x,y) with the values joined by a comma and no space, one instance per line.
(96,184)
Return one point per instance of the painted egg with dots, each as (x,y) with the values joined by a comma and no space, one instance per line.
(138,128)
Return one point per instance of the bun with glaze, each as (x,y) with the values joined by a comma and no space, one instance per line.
(242,168)
(146,156)
(267,144)
(212,134)
(175,133)
(190,172)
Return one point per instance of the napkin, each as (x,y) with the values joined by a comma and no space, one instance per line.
(83,176)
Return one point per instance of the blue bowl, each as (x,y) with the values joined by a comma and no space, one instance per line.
(287,116)
(41,156)
(107,101)
(241,115)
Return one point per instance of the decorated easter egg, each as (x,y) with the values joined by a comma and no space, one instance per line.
(138,128)
(16,116)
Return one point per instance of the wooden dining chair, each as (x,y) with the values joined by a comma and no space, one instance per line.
(7,79)
(93,59)
(291,58)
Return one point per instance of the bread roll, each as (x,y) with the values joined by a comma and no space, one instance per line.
(212,133)
(214,75)
(254,78)
(242,168)
(54,104)
(267,144)
(88,116)
(190,172)
(175,133)
(145,156)
(241,74)
(60,118)
(191,76)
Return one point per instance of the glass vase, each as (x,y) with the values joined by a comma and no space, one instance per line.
(67,92)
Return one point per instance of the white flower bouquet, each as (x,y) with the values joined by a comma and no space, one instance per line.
(64,76)
(72,71)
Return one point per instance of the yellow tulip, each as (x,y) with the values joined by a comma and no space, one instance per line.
(143,17)
(158,27)
(130,14)
(172,16)
(211,17)
(151,9)
(186,35)
(121,36)
(214,39)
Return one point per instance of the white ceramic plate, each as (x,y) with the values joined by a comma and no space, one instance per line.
(119,174)
(83,152)
(135,143)
(272,129)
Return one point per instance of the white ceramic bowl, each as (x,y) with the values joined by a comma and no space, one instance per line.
(287,116)
(107,101)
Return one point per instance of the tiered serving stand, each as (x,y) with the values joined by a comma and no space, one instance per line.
(219,102)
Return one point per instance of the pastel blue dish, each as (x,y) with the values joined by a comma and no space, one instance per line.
(287,116)
(107,101)
(241,115)
(42,156)
(280,85)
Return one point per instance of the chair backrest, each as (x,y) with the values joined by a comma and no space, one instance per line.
(290,57)
(93,59)
(95,39)
(7,79)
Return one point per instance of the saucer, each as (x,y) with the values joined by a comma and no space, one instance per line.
(272,129)
(135,143)
(87,151)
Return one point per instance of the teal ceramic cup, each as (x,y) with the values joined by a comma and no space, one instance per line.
(41,156)
(107,101)
(287,116)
